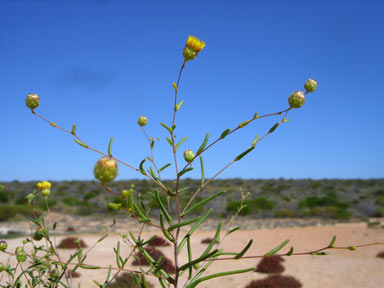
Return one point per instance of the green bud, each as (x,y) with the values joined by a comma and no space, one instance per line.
(189,54)
(25,241)
(32,101)
(114,206)
(189,155)
(142,121)
(1,267)
(46,192)
(21,256)
(105,169)
(310,85)
(126,193)
(39,234)
(297,99)
(352,248)
(3,245)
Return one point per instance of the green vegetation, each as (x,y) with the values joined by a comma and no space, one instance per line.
(253,205)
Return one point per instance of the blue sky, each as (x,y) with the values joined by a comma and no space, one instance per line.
(102,63)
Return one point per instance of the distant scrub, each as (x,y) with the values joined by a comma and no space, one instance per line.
(271,264)
(285,213)
(8,211)
(275,281)
(253,205)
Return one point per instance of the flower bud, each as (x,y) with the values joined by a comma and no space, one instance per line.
(114,206)
(46,192)
(297,99)
(3,245)
(1,267)
(32,101)
(310,85)
(142,121)
(126,193)
(105,169)
(43,185)
(189,155)
(192,47)
(21,256)
(39,234)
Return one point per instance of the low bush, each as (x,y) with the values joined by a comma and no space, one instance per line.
(70,243)
(252,205)
(8,211)
(270,264)
(275,281)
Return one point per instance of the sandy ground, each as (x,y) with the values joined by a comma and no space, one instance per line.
(343,268)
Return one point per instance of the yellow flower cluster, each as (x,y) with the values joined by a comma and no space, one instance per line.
(43,185)
(195,44)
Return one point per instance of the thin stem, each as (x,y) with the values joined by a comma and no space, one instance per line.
(152,157)
(234,160)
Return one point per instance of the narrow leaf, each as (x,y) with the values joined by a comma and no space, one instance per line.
(169,141)
(233,230)
(202,171)
(178,106)
(332,244)
(238,157)
(273,128)
(202,202)
(238,256)
(278,248)
(180,142)
(73,132)
(182,172)
(174,86)
(290,252)
(202,146)
(184,223)
(225,133)
(162,207)
(198,260)
(142,168)
(110,147)
(165,166)
(215,240)
(166,127)
(255,140)
(81,144)
(243,124)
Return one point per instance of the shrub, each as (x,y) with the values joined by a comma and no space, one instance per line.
(4,197)
(71,243)
(275,281)
(285,213)
(8,211)
(253,205)
(380,254)
(271,264)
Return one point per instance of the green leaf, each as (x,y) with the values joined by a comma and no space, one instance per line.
(221,274)
(290,252)
(255,140)
(321,253)
(182,172)
(184,223)
(166,127)
(193,229)
(238,157)
(215,240)
(89,267)
(165,232)
(178,106)
(238,256)
(273,128)
(202,171)
(332,244)
(202,202)
(81,144)
(198,260)
(162,207)
(278,248)
(174,85)
(243,124)
(180,142)
(102,238)
(73,132)
(165,166)
(169,141)
(256,115)
(202,146)
(139,212)
(225,133)
(142,168)
(152,173)
(110,147)
(189,249)
(233,230)
(152,144)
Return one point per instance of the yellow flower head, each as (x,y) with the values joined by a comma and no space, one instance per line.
(43,185)
(195,44)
